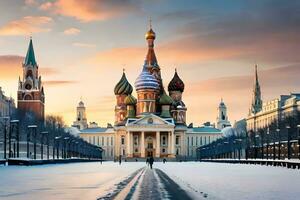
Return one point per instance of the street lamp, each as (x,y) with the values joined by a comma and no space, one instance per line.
(5,134)
(288,141)
(298,126)
(33,128)
(65,147)
(15,124)
(268,134)
(279,144)
(44,133)
(57,146)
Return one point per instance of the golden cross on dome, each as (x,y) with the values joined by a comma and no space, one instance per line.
(150,23)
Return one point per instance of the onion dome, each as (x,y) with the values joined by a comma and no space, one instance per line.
(123,86)
(176,84)
(130,100)
(150,34)
(146,81)
(165,99)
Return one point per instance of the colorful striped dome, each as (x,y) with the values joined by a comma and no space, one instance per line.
(130,100)
(146,81)
(123,86)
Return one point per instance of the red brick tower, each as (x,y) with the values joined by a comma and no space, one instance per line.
(31,97)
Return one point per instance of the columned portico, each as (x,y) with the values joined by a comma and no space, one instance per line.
(142,144)
(157,144)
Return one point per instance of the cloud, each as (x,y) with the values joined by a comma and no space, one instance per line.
(72,31)
(10,66)
(85,45)
(26,26)
(30,2)
(59,82)
(91,10)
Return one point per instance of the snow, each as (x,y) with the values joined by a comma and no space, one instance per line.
(234,181)
(62,181)
(92,180)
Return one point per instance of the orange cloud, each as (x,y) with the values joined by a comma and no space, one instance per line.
(26,26)
(72,31)
(89,10)
(86,45)
(11,67)
(58,82)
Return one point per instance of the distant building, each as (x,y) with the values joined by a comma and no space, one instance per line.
(81,120)
(31,97)
(222,119)
(261,114)
(7,105)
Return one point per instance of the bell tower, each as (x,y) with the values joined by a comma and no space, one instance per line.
(31,97)
(222,119)
(81,121)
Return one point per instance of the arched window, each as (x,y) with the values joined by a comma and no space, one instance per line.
(122,140)
(28,97)
(164,140)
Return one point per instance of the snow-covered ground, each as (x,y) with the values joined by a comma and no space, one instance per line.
(62,181)
(235,181)
(201,180)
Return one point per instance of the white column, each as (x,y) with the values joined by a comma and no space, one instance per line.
(128,144)
(172,143)
(157,151)
(142,144)
(131,144)
(169,143)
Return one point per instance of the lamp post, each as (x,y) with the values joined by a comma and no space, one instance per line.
(15,124)
(279,144)
(57,146)
(5,119)
(288,141)
(65,147)
(268,134)
(298,126)
(239,140)
(255,153)
(44,133)
(33,128)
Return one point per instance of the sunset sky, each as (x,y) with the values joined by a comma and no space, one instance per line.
(82,46)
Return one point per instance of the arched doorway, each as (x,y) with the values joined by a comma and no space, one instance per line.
(149,146)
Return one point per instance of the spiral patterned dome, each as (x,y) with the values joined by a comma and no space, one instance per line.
(130,100)
(176,84)
(123,86)
(146,81)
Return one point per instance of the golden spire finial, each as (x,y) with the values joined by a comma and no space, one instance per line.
(150,23)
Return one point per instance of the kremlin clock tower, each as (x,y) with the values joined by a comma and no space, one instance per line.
(31,97)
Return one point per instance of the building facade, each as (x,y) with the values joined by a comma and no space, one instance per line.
(153,123)
(7,105)
(262,114)
(31,97)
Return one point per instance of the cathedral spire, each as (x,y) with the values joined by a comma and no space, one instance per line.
(30,57)
(256,105)
(150,36)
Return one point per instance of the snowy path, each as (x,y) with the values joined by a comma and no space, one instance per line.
(134,180)
(148,184)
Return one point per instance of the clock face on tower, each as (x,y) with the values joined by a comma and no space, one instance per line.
(28,86)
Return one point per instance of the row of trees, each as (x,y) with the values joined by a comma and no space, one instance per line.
(52,133)
(278,140)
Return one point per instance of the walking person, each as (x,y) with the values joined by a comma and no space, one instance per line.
(151,161)
(120,160)
(147,161)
